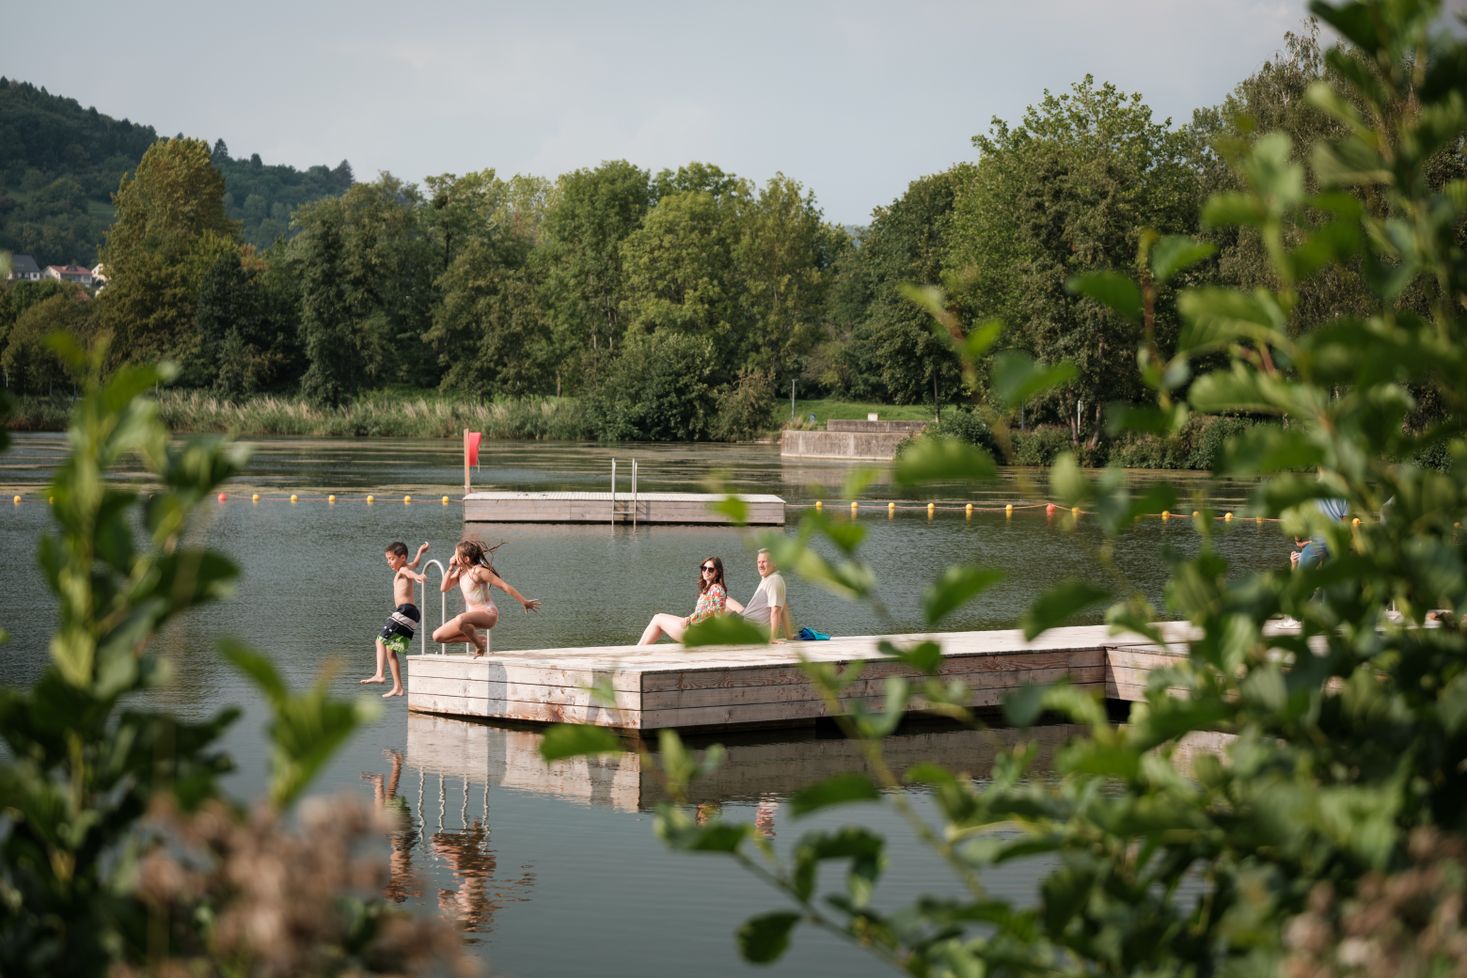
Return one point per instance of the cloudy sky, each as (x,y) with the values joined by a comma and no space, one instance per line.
(853,98)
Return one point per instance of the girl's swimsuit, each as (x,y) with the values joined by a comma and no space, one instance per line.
(477,594)
(710,603)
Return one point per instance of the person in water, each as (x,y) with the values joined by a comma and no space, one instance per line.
(472,570)
(397,634)
(712,595)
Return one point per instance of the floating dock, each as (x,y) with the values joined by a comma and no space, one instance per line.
(763,685)
(617,508)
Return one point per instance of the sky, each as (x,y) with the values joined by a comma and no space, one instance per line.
(852,98)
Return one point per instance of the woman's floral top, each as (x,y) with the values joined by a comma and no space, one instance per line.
(710,603)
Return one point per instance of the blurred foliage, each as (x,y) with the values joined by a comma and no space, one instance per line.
(1285,799)
(118,853)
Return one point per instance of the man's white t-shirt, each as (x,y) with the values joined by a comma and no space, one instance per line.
(769,594)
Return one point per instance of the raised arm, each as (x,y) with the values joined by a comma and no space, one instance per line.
(451,574)
(416,560)
(529,604)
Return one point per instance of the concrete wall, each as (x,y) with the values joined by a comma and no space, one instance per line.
(880,446)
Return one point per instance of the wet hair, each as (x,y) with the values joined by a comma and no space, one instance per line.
(397,548)
(474,552)
(703,585)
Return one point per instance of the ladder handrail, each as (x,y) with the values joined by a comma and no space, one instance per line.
(443,604)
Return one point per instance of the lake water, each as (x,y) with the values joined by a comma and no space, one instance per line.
(554,871)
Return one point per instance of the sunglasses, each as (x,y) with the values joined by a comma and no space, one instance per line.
(708,569)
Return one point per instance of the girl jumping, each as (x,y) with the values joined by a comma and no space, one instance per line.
(470,568)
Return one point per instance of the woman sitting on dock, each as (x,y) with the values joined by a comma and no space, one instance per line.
(470,568)
(712,594)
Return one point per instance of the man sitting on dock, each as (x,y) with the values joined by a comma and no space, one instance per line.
(768,607)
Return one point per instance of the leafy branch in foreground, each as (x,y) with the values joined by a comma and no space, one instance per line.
(119,855)
(1325,827)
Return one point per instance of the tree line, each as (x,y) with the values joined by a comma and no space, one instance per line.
(685,304)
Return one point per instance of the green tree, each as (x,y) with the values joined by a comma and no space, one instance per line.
(784,253)
(682,276)
(170,223)
(590,213)
(893,354)
(331,376)
(384,272)
(1067,190)
(29,363)
(658,388)
(242,348)
(488,332)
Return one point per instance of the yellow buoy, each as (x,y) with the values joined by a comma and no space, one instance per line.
(50,500)
(406,500)
(371,499)
(931,509)
(331,499)
(255,498)
(294,499)
(1355,521)
(854,506)
(16,500)
(1008,511)
(968,511)
(819,504)
(890,510)
(1196,514)
(1166,514)
(1075,512)
(1227,517)
(445,500)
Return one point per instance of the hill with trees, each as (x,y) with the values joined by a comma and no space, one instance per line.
(61,163)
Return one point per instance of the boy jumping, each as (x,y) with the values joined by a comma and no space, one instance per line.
(397,634)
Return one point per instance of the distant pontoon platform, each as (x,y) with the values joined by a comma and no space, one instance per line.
(617,508)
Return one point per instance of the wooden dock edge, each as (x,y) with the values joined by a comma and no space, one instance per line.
(733,687)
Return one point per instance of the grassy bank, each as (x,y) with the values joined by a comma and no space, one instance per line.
(825,409)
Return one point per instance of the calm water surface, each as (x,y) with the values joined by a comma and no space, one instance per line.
(555,871)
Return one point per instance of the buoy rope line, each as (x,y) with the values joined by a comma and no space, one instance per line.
(892,507)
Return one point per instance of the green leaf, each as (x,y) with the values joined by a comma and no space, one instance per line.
(941,458)
(958,584)
(733,507)
(1233,209)
(981,338)
(926,657)
(1017,377)
(1175,253)
(1060,603)
(1023,707)
(566,740)
(725,630)
(841,789)
(1067,481)
(764,939)
(1111,289)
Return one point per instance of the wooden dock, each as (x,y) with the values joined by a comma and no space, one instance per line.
(762,685)
(617,508)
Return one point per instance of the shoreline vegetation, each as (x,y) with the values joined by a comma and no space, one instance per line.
(388,414)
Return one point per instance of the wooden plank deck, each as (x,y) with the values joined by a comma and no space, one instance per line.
(602,507)
(733,686)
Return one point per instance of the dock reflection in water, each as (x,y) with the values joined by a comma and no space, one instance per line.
(455,766)
(459,844)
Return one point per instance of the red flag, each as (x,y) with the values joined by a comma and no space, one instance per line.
(471,446)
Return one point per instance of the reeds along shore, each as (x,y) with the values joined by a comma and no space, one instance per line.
(378,415)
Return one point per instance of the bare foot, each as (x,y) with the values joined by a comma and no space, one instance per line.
(372,679)
(394,691)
